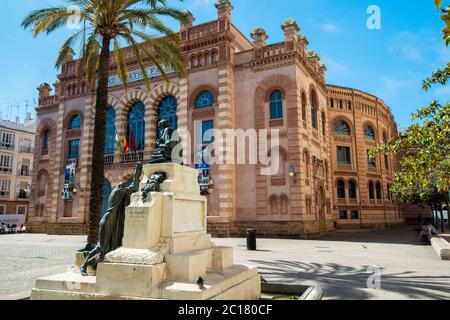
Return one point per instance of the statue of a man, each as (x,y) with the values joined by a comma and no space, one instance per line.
(164,144)
(113,222)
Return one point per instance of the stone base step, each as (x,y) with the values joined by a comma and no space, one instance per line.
(72,282)
(238,282)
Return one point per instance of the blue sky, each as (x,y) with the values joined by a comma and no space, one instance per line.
(389,63)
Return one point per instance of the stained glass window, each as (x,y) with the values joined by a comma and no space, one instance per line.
(110,133)
(369,133)
(342,128)
(45,140)
(276,105)
(204,100)
(74,149)
(136,123)
(75,122)
(343,155)
(168,110)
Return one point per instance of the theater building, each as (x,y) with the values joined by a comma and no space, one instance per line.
(325,180)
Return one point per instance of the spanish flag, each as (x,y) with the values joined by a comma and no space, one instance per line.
(119,144)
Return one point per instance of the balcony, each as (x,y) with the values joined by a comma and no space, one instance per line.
(7,146)
(133,157)
(23,195)
(4,194)
(25,149)
(5,170)
(24,173)
(109,160)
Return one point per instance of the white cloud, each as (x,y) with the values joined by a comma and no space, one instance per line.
(334,67)
(442,93)
(330,27)
(390,86)
(406,44)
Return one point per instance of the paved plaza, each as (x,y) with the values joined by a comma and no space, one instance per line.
(340,262)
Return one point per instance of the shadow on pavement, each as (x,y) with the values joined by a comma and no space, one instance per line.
(350,283)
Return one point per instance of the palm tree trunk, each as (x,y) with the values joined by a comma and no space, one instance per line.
(97,166)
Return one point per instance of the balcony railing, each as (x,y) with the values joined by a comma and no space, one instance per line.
(6,170)
(133,157)
(4,194)
(7,146)
(24,149)
(109,160)
(23,195)
(24,173)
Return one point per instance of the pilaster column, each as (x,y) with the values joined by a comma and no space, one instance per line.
(87,145)
(227,174)
(58,165)
(183,119)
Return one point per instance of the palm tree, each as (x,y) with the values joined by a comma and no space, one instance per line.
(109,23)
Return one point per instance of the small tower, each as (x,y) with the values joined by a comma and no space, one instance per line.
(291,29)
(259,37)
(44,90)
(189,20)
(224,8)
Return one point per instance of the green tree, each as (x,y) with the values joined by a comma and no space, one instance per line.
(106,24)
(424,150)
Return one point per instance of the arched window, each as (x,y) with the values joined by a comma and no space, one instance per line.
(385,138)
(276,105)
(352,189)
(304,102)
(42,182)
(371,191)
(342,128)
(306,160)
(193,62)
(389,192)
(313,109)
(75,122)
(378,189)
(341,189)
(168,110)
(136,125)
(369,133)
(45,140)
(284,204)
(204,100)
(324,124)
(273,204)
(110,132)
(214,56)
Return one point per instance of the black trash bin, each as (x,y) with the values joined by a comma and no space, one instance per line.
(251,239)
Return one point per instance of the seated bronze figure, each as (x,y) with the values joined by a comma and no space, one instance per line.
(164,144)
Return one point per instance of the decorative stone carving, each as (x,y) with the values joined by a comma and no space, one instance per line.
(290,24)
(220,4)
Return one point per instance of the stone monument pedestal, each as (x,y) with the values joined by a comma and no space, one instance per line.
(165,249)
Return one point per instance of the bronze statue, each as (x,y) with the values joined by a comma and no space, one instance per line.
(154,184)
(113,222)
(164,143)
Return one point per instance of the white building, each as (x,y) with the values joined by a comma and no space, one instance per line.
(16,160)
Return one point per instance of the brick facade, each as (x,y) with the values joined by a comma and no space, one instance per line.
(241,75)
